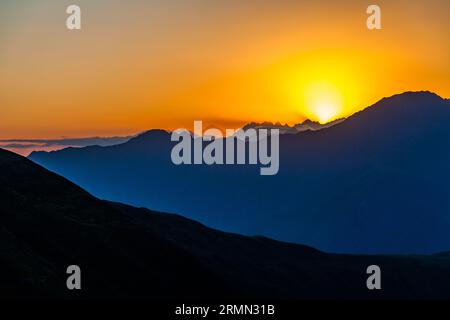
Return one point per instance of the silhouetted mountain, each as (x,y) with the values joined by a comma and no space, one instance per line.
(283,128)
(286,129)
(376,183)
(47,223)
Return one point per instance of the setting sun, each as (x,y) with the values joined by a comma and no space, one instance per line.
(325,112)
(323,102)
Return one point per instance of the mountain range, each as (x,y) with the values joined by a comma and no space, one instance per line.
(377,182)
(286,129)
(48,223)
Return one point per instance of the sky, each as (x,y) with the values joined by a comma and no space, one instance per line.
(142,64)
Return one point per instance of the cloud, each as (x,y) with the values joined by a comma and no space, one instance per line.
(64,142)
(26,146)
(19,146)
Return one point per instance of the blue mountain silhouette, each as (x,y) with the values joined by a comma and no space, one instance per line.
(127,254)
(375,183)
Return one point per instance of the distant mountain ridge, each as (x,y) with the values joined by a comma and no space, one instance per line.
(377,182)
(300,127)
(47,223)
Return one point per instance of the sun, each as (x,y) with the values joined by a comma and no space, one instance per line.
(323,101)
(325,112)
(325,85)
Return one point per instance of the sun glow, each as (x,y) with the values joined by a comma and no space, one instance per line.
(326,85)
(325,112)
(323,101)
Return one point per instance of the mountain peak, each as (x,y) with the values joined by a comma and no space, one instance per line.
(414,96)
(406,106)
(153,134)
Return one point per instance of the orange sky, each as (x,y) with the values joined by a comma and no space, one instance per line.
(137,65)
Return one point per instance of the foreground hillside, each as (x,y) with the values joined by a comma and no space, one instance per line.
(376,183)
(48,223)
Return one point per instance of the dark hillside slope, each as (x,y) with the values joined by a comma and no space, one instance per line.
(48,223)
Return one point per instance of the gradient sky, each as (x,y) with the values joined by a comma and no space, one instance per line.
(141,64)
